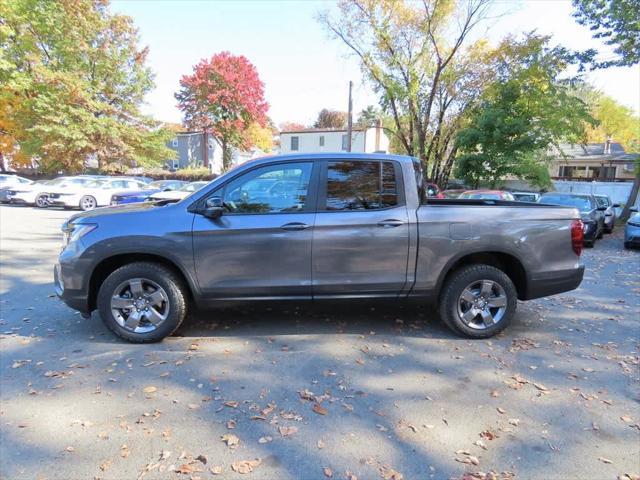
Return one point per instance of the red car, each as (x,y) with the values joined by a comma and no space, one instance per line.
(487,195)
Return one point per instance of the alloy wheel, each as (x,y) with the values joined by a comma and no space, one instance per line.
(482,304)
(140,305)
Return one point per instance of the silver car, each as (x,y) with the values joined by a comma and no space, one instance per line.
(609,213)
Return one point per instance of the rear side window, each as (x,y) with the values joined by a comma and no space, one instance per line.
(361,185)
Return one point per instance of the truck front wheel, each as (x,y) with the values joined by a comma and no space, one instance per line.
(478,301)
(142,302)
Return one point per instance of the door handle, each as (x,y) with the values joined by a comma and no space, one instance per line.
(294,226)
(391,223)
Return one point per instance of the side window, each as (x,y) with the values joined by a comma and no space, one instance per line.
(270,189)
(295,143)
(361,185)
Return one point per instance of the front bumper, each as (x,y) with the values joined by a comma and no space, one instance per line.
(554,282)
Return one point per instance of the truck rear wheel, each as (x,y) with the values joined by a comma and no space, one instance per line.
(478,301)
(142,302)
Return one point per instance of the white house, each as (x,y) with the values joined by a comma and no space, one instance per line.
(363,140)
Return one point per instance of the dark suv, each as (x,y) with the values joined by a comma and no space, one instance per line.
(591,213)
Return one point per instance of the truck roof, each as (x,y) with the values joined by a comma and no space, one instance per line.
(330,156)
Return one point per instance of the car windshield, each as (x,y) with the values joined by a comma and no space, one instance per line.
(96,184)
(159,185)
(481,196)
(581,203)
(603,201)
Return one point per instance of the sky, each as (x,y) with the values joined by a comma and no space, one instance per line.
(303,69)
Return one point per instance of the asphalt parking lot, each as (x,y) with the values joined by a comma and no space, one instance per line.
(311,392)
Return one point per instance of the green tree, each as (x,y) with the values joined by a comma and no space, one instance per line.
(331,119)
(617,22)
(368,117)
(415,54)
(525,111)
(80,77)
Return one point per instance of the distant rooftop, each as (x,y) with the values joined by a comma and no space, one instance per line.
(323,130)
(596,151)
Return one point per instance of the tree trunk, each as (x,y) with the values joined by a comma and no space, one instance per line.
(633,195)
(226,156)
(2,167)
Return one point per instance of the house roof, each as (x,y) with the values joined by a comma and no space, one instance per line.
(595,151)
(323,130)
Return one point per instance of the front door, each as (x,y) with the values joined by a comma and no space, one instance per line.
(261,246)
(361,232)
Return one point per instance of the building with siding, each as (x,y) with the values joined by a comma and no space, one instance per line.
(316,140)
(593,161)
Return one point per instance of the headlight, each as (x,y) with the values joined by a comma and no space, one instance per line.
(72,232)
(633,224)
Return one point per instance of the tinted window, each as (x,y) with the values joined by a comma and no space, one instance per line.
(581,203)
(361,185)
(271,189)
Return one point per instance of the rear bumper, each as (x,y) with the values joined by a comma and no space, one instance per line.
(553,283)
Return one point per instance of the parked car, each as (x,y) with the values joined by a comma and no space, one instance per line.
(486,195)
(344,225)
(36,193)
(93,194)
(632,230)
(7,182)
(609,213)
(591,214)
(525,196)
(432,190)
(146,191)
(453,193)
(178,194)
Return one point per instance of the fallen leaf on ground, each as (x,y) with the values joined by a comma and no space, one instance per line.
(604,460)
(389,473)
(319,409)
(265,439)
(231,440)
(245,466)
(216,470)
(514,421)
(149,389)
(232,404)
(286,431)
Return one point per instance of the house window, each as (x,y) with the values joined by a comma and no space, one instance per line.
(344,142)
(570,171)
(295,143)
(174,143)
(322,140)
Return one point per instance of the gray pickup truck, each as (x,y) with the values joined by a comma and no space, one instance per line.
(316,227)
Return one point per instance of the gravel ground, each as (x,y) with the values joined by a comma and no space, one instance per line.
(303,392)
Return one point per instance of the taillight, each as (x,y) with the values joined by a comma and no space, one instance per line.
(577,236)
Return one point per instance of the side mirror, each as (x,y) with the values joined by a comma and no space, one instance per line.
(213,208)
(602,209)
(633,209)
(616,205)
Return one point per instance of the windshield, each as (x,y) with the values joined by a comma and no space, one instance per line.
(96,184)
(603,201)
(481,196)
(581,203)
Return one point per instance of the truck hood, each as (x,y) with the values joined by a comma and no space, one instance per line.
(93,216)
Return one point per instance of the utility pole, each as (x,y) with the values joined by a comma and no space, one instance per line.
(349,119)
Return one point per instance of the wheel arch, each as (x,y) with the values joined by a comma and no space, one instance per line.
(108,265)
(507,262)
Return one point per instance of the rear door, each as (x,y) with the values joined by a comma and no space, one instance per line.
(361,232)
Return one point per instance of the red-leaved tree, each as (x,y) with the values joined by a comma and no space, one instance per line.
(223,97)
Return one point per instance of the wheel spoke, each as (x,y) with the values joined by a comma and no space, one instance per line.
(156,298)
(136,288)
(121,302)
(487,287)
(470,315)
(497,302)
(153,316)
(487,318)
(468,296)
(133,321)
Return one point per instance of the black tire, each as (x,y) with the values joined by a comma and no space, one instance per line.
(41,201)
(609,230)
(589,243)
(88,203)
(601,234)
(458,282)
(171,283)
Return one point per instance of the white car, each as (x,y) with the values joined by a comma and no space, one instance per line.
(179,194)
(93,194)
(9,181)
(36,193)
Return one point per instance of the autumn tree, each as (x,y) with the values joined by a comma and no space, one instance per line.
(617,24)
(412,54)
(368,117)
(77,77)
(331,119)
(224,97)
(292,127)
